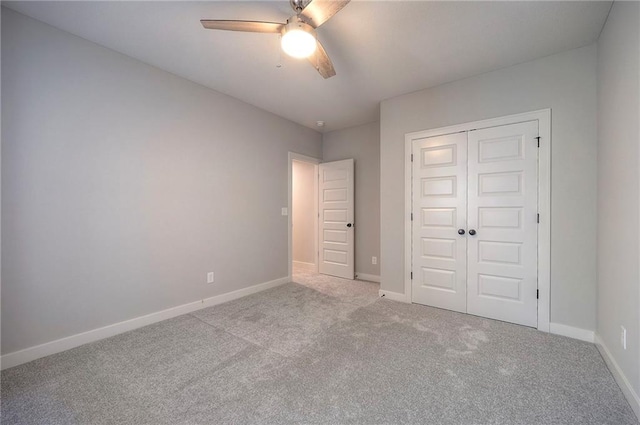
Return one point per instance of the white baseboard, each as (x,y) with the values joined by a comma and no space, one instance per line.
(304,266)
(394,296)
(368,277)
(624,384)
(571,332)
(32,353)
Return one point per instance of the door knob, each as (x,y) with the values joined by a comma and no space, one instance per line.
(461,231)
(472,232)
(348,224)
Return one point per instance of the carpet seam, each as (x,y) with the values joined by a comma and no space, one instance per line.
(240,337)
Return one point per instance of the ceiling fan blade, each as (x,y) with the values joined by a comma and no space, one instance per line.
(321,62)
(319,11)
(246,26)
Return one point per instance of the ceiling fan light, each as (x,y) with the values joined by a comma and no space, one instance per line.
(298,42)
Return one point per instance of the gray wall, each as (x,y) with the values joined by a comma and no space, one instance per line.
(362,144)
(619,187)
(566,83)
(123,185)
(303,182)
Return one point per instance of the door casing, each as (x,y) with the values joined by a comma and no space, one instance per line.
(544,199)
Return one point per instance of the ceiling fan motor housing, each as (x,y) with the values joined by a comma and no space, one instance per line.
(295,23)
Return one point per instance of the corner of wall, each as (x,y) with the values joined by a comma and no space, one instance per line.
(622,381)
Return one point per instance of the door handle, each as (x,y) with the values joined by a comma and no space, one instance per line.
(472,232)
(461,231)
(349,225)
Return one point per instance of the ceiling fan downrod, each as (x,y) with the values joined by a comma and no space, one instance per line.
(298,5)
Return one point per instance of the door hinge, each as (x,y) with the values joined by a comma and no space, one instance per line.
(538,220)
(537,294)
(411,275)
(411,157)
(538,139)
(411,216)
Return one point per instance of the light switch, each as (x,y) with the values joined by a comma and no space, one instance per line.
(285,211)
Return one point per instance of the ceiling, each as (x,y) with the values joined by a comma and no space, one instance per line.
(380,49)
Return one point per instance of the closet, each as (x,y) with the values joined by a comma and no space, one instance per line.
(474,238)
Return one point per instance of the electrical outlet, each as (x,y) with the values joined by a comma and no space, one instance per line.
(623,337)
(210,277)
(374,260)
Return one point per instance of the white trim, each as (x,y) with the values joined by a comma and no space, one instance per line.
(622,381)
(544,199)
(305,266)
(393,296)
(32,353)
(368,277)
(408,209)
(292,156)
(571,332)
(544,227)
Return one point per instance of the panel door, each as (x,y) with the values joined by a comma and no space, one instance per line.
(439,210)
(336,211)
(502,211)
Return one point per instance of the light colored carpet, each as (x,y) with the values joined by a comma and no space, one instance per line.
(320,351)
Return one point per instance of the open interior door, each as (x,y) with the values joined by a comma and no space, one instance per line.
(336,219)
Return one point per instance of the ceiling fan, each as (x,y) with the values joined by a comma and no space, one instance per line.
(299,37)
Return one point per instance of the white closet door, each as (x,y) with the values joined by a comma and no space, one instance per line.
(336,210)
(502,212)
(439,210)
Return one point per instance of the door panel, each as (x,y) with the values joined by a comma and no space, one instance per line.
(502,209)
(336,211)
(439,210)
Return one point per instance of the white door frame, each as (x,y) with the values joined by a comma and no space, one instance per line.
(543,117)
(315,161)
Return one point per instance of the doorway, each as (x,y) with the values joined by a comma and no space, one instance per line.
(304,215)
(321,216)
